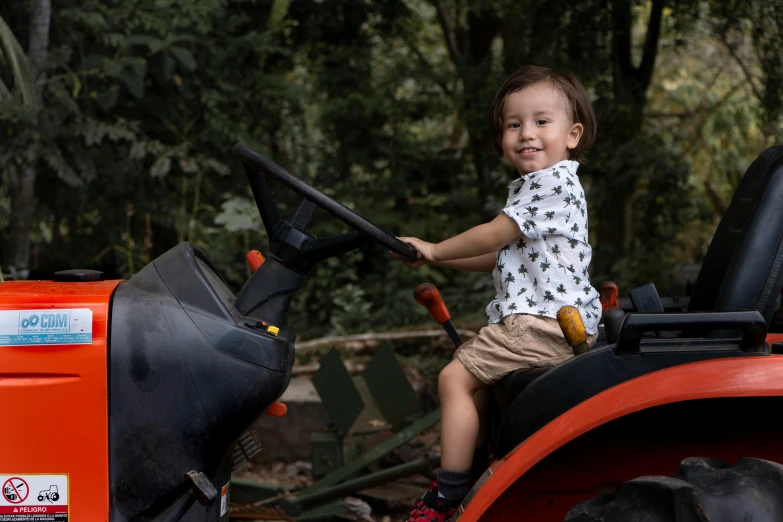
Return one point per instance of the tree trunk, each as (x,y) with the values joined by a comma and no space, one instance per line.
(630,84)
(470,50)
(23,191)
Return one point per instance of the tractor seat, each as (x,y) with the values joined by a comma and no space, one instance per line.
(515,383)
(741,271)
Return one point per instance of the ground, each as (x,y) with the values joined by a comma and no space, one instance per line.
(285,458)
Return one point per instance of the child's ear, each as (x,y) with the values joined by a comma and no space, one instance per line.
(574,135)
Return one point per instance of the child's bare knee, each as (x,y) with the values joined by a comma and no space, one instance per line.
(452,381)
(445,379)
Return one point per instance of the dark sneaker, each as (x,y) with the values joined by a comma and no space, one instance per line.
(430,508)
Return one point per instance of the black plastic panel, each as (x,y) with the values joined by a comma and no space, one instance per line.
(186,378)
(741,270)
(587,375)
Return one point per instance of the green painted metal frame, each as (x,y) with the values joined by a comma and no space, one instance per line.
(335,484)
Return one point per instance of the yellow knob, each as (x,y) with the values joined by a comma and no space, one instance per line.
(274,330)
(573,329)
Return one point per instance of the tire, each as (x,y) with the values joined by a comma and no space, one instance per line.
(55,497)
(702,490)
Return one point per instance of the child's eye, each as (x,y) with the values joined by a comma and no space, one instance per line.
(513,125)
(541,122)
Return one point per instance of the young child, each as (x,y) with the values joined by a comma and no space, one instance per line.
(537,250)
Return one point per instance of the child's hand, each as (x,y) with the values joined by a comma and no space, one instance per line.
(423,249)
(426,250)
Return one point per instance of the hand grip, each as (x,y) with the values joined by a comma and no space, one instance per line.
(427,295)
(255,259)
(750,322)
(570,321)
(609,296)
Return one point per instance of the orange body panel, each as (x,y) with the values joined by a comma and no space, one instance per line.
(750,377)
(55,398)
(773,338)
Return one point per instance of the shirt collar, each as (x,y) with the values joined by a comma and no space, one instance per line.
(569,165)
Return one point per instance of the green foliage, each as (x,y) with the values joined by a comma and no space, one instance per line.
(372,104)
(661,201)
(15,77)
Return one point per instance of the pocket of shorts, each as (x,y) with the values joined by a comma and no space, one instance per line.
(518,325)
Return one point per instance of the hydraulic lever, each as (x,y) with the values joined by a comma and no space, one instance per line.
(427,295)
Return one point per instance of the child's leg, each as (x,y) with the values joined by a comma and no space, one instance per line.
(482,401)
(459,429)
(459,424)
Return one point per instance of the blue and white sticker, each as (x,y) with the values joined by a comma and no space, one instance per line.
(45,327)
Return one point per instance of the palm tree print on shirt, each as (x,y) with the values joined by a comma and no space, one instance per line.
(552,235)
(533,255)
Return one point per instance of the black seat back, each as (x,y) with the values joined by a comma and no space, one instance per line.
(742,268)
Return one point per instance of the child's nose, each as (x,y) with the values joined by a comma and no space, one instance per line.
(527,132)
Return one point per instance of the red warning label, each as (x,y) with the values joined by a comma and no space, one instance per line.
(15,490)
(33,498)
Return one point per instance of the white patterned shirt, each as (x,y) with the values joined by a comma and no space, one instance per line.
(547,267)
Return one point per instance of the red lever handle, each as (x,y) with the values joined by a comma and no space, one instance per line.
(255,259)
(609,293)
(427,295)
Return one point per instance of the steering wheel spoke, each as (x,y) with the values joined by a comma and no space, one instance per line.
(304,215)
(326,247)
(264,202)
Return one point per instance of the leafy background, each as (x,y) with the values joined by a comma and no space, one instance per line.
(127,130)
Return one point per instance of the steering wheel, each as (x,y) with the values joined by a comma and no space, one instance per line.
(290,240)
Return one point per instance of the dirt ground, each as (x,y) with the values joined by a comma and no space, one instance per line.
(285,458)
(389,502)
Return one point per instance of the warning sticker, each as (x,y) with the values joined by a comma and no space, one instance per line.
(45,327)
(224,499)
(33,498)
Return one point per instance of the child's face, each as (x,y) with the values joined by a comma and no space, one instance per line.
(537,131)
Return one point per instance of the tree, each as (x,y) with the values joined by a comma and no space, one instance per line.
(17,250)
(21,87)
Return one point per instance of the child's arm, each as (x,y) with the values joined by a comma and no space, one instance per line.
(485,263)
(476,242)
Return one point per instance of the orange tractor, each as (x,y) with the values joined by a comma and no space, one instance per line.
(128,398)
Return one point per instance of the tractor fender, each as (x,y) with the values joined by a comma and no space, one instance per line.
(719,378)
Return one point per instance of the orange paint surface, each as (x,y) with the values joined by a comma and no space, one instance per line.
(55,398)
(750,377)
(277,409)
(773,338)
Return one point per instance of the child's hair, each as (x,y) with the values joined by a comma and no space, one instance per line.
(581,110)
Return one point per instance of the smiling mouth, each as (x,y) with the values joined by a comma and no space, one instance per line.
(528,151)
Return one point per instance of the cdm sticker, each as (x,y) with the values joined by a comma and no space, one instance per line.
(45,327)
(45,322)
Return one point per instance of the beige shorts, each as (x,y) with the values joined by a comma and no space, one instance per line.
(518,341)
